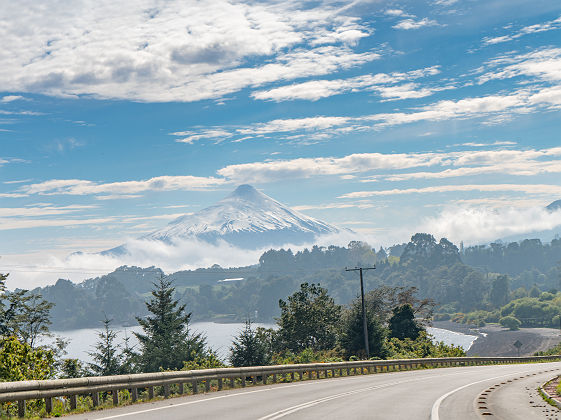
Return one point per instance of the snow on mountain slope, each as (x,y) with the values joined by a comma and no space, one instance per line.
(246,218)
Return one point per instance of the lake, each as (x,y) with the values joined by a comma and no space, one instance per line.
(219,337)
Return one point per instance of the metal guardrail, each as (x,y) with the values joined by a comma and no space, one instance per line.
(92,386)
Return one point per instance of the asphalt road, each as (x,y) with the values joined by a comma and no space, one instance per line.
(505,392)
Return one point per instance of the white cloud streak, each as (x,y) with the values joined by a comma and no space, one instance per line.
(382,83)
(11,98)
(545,189)
(532,29)
(85,187)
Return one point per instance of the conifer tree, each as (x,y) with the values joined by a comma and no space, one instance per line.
(107,359)
(166,341)
(249,349)
(402,324)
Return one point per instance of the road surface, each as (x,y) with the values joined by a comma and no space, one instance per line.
(499,392)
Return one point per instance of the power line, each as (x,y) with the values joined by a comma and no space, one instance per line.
(364,324)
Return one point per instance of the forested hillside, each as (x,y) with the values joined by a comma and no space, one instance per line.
(459,282)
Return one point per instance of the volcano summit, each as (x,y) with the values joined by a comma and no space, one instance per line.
(247,219)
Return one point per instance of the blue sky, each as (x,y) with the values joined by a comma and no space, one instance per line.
(384,117)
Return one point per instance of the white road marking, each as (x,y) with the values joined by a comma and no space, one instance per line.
(241,393)
(290,410)
(295,408)
(436,406)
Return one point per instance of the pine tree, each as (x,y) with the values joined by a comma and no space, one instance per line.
(402,324)
(249,349)
(352,334)
(167,342)
(107,359)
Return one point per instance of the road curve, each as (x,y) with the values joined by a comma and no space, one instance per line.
(464,393)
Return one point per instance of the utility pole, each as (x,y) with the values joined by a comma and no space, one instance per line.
(364,325)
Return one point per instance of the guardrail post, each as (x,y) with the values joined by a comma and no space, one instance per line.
(292,376)
(134,394)
(207,385)
(73,402)
(274,378)
(300,375)
(115,395)
(181,388)
(232,383)
(151,392)
(348,371)
(95,398)
(220,383)
(48,405)
(21,408)
(264,378)
(166,391)
(243,381)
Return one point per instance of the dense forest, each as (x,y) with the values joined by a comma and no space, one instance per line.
(458,280)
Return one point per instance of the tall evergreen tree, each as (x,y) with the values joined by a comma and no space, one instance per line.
(166,341)
(352,333)
(249,348)
(402,324)
(107,359)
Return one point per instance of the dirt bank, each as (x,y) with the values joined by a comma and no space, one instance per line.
(493,340)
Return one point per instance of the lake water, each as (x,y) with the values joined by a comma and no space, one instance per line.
(219,337)
(452,337)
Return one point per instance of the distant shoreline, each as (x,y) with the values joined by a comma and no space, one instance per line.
(494,340)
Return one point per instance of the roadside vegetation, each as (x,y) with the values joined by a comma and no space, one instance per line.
(310,328)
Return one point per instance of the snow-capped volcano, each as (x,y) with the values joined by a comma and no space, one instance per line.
(246,218)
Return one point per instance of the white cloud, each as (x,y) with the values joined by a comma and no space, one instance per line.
(331,206)
(408,24)
(4,161)
(540,27)
(479,224)
(545,189)
(543,64)
(11,98)
(309,167)
(26,223)
(85,187)
(445,2)
(191,136)
(395,12)
(506,162)
(172,51)
(41,210)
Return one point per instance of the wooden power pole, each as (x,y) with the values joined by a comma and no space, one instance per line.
(364,324)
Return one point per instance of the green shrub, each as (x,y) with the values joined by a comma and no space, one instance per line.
(510,322)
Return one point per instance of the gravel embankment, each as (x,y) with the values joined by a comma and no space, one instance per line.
(493,340)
